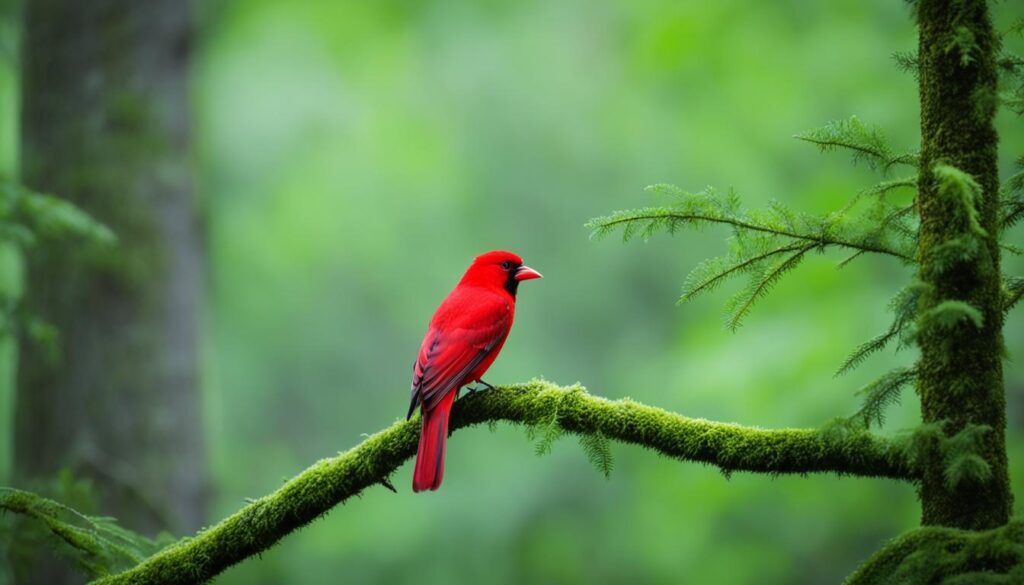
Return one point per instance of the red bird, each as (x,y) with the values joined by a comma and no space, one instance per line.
(463,339)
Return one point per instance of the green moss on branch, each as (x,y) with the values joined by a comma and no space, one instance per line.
(947,555)
(328,482)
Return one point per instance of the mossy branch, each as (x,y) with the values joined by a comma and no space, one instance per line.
(329,482)
(935,554)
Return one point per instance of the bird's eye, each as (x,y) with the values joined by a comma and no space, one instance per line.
(506,265)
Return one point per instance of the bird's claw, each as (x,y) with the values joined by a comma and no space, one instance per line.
(473,389)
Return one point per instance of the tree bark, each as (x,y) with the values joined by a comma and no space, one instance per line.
(105,125)
(961,378)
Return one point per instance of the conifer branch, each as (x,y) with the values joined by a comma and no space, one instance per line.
(866,142)
(97,545)
(328,482)
(906,61)
(662,215)
(1011,203)
(885,187)
(1012,211)
(742,303)
(881,394)
(715,274)
(904,308)
(1013,290)
(850,258)
(894,218)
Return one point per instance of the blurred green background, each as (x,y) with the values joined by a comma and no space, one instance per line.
(354,156)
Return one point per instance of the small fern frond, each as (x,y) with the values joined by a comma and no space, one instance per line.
(760,284)
(961,454)
(598,451)
(867,143)
(962,189)
(1011,202)
(949,314)
(705,208)
(27,216)
(881,394)
(551,432)
(906,61)
(712,272)
(1013,290)
(904,308)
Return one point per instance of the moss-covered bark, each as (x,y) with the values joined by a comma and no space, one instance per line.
(936,554)
(960,374)
(105,125)
(329,482)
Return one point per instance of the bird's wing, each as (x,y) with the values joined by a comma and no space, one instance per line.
(465,331)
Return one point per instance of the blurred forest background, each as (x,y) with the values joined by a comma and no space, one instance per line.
(350,159)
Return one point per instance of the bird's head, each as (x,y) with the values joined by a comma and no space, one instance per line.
(499,269)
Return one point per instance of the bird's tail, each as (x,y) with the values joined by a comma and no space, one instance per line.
(433,437)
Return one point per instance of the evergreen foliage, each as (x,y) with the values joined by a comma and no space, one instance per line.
(27,217)
(598,452)
(1011,201)
(27,220)
(882,393)
(1013,289)
(962,246)
(904,308)
(766,245)
(96,544)
(906,61)
(1011,73)
(960,453)
(866,143)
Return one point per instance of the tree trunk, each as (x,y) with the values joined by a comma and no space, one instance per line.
(105,125)
(10,257)
(961,377)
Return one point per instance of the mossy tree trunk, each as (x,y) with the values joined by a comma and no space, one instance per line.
(105,125)
(961,378)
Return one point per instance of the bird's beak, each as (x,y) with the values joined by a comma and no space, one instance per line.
(527,273)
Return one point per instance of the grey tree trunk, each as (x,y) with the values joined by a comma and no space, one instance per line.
(105,124)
